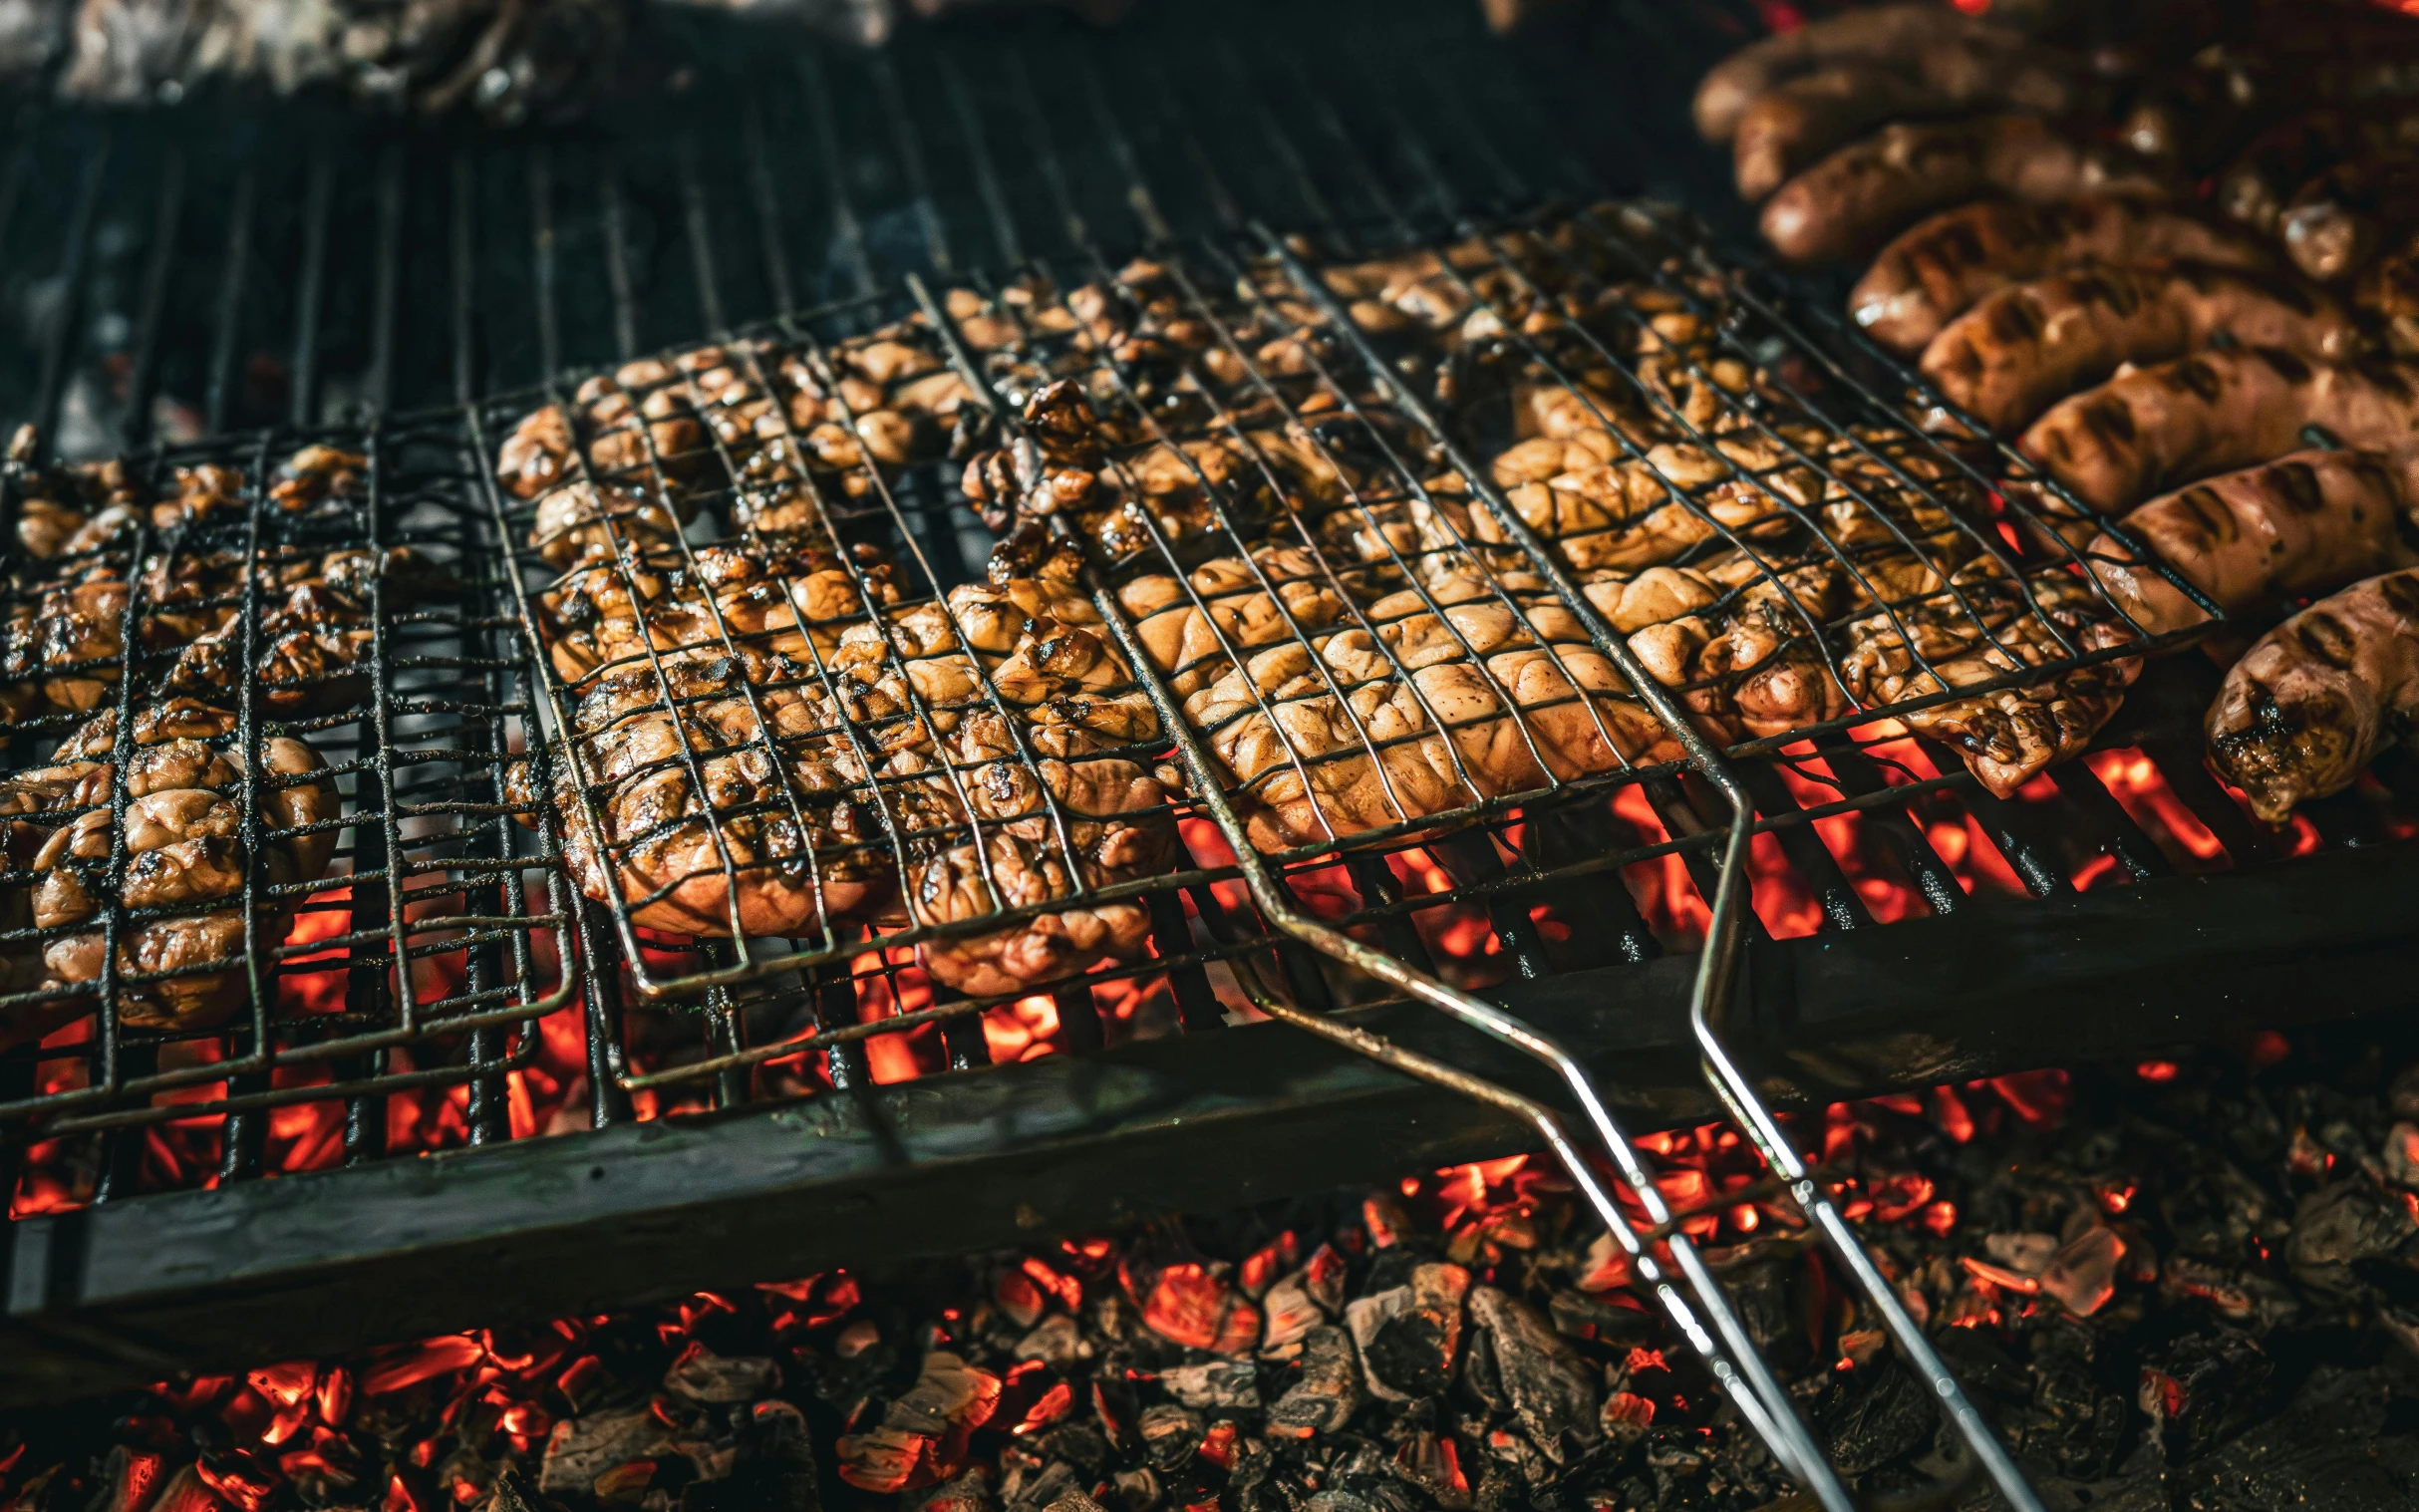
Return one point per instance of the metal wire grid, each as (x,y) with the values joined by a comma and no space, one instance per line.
(435,922)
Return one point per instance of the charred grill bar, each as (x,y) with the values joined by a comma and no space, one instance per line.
(2216,936)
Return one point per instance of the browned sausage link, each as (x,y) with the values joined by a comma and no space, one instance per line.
(2255,186)
(1797,122)
(2015,353)
(1879,34)
(2314,702)
(1868,190)
(2164,426)
(2338,220)
(2303,524)
(1941,266)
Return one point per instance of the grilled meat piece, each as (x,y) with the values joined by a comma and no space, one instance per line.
(578,521)
(1869,189)
(71,510)
(507,62)
(2318,697)
(2338,221)
(1927,41)
(2255,188)
(66,649)
(2117,444)
(1793,124)
(182,835)
(2303,524)
(1941,267)
(609,615)
(724,803)
(2022,349)
(1026,834)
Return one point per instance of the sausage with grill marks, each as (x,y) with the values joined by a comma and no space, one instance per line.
(1797,122)
(2302,524)
(1868,190)
(2335,224)
(1939,267)
(2315,700)
(1899,35)
(2015,353)
(2159,427)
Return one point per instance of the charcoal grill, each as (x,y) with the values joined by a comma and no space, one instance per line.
(549,257)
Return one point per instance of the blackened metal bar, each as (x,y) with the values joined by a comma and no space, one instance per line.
(119,1172)
(987,172)
(1813,861)
(698,223)
(1859,773)
(1375,880)
(2019,833)
(60,344)
(835,174)
(1079,1019)
(911,159)
(962,1034)
(2345,818)
(2179,760)
(227,321)
(1613,929)
(388,279)
(1472,856)
(310,291)
(543,255)
(617,258)
(143,377)
(835,1007)
(773,242)
(601,1002)
(1680,818)
(722,1036)
(2133,849)
(243,1135)
(1196,1001)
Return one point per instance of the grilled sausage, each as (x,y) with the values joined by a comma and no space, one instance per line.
(1868,190)
(1939,267)
(1797,122)
(2310,706)
(2154,428)
(1882,34)
(2303,524)
(2337,221)
(2015,353)
(2255,187)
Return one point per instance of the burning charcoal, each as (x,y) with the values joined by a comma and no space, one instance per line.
(1077,1443)
(597,1443)
(969,1491)
(1303,1301)
(1626,1419)
(1191,1305)
(1424,1460)
(948,1394)
(2343,1225)
(1550,1390)
(2402,1154)
(1329,1392)
(2236,1294)
(2022,1254)
(2083,1274)
(2070,1420)
(700,1375)
(1875,1417)
(1766,1295)
(1218,1384)
(1056,1342)
(2203,1389)
(1410,1336)
(510,1493)
(2335,1447)
(1170,1434)
(1075,1501)
(1135,1491)
(1583,1317)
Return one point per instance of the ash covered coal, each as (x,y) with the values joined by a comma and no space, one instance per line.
(2176,1286)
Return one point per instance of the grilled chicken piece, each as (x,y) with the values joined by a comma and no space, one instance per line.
(76,508)
(184,861)
(2303,524)
(609,615)
(2318,697)
(783,429)
(1941,267)
(1869,189)
(2024,348)
(2115,446)
(1026,834)
(1926,42)
(578,521)
(724,804)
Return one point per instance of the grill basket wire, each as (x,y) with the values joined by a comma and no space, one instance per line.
(425,953)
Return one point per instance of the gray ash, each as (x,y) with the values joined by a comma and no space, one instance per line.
(2172,1286)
